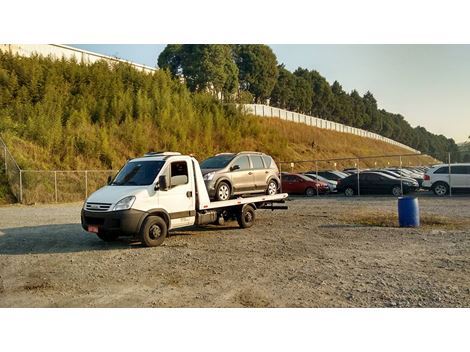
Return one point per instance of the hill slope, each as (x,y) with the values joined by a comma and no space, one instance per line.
(64,115)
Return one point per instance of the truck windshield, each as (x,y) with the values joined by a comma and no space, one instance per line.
(217,162)
(138,173)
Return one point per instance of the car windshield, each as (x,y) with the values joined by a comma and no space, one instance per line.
(217,162)
(138,173)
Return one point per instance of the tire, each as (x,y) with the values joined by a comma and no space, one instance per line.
(396,191)
(440,189)
(246,217)
(153,231)
(272,188)
(310,192)
(223,191)
(108,236)
(349,192)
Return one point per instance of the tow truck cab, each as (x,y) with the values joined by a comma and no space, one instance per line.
(160,192)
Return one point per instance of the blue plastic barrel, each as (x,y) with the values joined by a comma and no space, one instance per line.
(408,212)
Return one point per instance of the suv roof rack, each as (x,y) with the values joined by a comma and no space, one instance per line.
(161,153)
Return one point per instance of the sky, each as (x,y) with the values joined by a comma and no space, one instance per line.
(428,84)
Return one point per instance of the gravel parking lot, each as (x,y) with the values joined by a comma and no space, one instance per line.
(313,255)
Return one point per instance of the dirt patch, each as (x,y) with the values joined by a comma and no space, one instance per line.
(322,252)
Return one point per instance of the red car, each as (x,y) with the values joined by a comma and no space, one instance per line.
(300,184)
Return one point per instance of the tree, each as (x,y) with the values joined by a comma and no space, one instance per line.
(204,67)
(258,70)
(284,88)
(322,97)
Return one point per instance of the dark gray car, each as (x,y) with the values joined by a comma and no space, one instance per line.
(230,174)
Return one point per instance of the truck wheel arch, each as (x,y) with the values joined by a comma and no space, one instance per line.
(157,212)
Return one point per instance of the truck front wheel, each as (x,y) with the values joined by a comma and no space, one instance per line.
(246,217)
(153,231)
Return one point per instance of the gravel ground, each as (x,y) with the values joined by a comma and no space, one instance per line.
(312,255)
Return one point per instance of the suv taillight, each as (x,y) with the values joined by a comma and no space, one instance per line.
(426,178)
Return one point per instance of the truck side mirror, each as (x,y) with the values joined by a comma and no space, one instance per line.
(162,183)
(235,167)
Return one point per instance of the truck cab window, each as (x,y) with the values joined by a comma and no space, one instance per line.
(179,169)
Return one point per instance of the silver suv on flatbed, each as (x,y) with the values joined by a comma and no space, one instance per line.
(229,174)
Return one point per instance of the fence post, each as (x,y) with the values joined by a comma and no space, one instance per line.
(316,172)
(358,182)
(86,184)
(55,185)
(21,186)
(401,177)
(450,178)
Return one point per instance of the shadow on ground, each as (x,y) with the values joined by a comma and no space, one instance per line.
(69,238)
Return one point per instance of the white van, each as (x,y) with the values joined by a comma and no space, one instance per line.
(160,192)
(440,178)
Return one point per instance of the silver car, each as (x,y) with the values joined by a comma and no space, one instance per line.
(230,174)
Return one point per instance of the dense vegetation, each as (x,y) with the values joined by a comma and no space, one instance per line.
(252,72)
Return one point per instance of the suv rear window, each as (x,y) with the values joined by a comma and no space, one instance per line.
(257,162)
(442,170)
(267,161)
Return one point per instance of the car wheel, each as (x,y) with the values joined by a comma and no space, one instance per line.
(272,188)
(108,236)
(246,217)
(223,191)
(310,192)
(349,192)
(154,231)
(396,191)
(440,189)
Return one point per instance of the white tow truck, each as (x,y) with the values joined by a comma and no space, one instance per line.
(163,191)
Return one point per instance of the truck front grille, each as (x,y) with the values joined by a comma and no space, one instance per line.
(97,206)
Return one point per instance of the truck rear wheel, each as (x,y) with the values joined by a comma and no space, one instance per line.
(246,217)
(153,231)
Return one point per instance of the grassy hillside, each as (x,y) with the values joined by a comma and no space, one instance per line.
(64,115)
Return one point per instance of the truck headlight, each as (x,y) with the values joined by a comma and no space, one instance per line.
(209,176)
(124,203)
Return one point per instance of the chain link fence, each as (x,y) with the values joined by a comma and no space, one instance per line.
(49,186)
(41,186)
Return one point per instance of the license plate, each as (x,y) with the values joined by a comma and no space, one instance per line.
(92,228)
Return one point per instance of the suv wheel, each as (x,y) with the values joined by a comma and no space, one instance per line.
(440,189)
(223,191)
(272,188)
(349,192)
(396,191)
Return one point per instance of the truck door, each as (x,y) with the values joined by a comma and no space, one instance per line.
(179,200)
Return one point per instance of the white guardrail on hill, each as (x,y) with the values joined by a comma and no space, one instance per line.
(269,111)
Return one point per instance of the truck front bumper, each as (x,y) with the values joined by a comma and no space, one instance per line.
(125,222)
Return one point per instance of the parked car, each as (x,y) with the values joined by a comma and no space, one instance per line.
(437,178)
(331,184)
(407,173)
(331,174)
(374,183)
(397,175)
(230,174)
(300,184)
